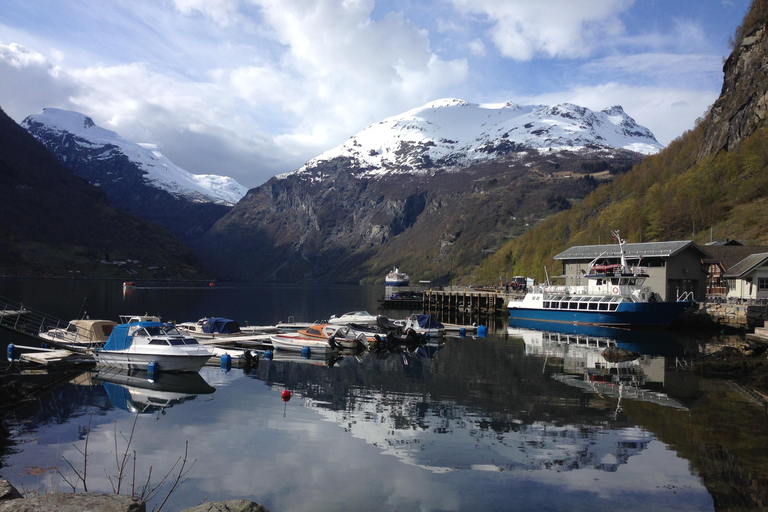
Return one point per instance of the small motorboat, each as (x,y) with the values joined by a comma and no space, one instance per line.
(80,334)
(353,317)
(295,342)
(129,285)
(137,344)
(428,325)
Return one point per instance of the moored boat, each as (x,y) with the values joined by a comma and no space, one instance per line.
(138,344)
(353,317)
(397,278)
(80,334)
(296,342)
(613,296)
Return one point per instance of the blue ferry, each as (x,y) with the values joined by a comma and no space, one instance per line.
(613,296)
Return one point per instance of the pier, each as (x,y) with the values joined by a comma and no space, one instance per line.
(466,301)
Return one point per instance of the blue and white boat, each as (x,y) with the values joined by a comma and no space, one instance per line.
(613,296)
(397,278)
(134,346)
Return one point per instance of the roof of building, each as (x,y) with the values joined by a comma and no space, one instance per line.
(747,265)
(647,249)
(728,256)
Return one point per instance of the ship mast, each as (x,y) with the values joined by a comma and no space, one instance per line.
(616,235)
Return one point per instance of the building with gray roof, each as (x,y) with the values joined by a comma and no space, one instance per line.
(674,268)
(748,279)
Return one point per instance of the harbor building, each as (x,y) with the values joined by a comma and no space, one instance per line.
(674,268)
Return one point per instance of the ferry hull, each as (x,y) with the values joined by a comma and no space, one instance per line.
(628,314)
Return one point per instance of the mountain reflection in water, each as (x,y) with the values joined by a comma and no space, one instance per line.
(522,419)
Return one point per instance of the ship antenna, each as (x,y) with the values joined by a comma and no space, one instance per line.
(621,249)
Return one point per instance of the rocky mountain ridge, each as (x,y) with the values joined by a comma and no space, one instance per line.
(434,190)
(55,223)
(137,178)
(453,133)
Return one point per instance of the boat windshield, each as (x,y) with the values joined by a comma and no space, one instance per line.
(170,329)
(152,330)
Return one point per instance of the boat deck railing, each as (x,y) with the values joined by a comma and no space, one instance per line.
(22,319)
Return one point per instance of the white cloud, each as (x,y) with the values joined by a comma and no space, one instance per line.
(477,47)
(523,30)
(31,80)
(222,12)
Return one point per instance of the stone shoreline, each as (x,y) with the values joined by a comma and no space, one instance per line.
(11,500)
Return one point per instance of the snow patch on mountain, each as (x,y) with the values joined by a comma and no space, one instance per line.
(159,171)
(453,132)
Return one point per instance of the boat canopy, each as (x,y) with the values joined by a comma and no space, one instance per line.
(122,335)
(429,322)
(221,326)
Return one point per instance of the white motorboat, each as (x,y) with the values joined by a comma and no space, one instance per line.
(427,325)
(223,331)
(138,344)
(295,342)
(80,334)
(353,317)
(210,327)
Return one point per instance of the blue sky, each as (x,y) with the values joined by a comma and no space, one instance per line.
(252,88)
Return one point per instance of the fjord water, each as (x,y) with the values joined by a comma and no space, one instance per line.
(506,422)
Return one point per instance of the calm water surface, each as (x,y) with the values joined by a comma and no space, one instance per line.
(519,420)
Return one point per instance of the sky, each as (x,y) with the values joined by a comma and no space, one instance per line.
(254,88)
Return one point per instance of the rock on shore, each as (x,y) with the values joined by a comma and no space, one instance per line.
(11,500)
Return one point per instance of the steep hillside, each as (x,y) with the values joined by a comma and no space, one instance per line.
(433,190)
(54,223)
(710,182)
(137,178)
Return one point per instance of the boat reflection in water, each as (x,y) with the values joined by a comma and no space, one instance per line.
(611,362)
(642,341)
(135,391)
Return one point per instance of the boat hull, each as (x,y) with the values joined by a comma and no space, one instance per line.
(165,363)
(296,344)
(627,314)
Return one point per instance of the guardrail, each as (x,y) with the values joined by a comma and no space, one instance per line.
(22,319)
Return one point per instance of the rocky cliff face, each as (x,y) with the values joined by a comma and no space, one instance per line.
(742,106)
(433,191)
(55,223)
(331,225)
(137,178)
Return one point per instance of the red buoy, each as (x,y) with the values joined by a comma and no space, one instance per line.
(285,395)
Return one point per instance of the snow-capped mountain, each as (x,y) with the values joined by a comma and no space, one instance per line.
(447,182)
(455,133)
(158,171)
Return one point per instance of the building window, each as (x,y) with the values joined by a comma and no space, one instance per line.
(762,284)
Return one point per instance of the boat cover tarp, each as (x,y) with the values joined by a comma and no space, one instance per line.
(429,322)
(120,340)
(221,326)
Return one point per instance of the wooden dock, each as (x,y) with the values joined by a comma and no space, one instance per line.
(465,301)
(59,357)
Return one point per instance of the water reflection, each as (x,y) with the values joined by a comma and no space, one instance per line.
(600,365)
(139,392)
(538,420)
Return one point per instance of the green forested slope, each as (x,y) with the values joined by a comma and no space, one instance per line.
(669,196)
